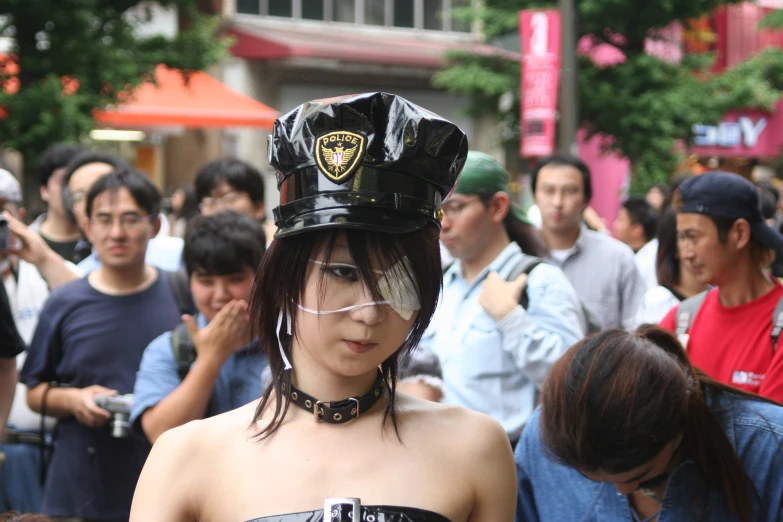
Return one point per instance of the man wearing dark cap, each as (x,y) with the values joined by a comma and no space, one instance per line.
(494,351)
(729,331)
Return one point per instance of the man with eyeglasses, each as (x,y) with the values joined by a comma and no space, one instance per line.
(164,252)
(494,351)
(89,341)
(231,184)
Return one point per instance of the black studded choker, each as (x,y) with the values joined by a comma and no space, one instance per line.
(342,411)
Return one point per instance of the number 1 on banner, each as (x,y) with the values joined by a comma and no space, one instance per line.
(540,39)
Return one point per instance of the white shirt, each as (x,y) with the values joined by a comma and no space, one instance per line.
(562,255)
(646,261)
(657,302)
(27,295)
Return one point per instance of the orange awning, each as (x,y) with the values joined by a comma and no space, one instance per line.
(204,102)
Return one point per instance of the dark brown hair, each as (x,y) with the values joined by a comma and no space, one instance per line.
(758,253)
(616,399)
(523,234)
(667,262)
(280,286)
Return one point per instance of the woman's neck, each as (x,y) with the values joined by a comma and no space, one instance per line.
(313,379)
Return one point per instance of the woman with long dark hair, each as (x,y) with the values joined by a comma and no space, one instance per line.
(348,286)
(629,430)
(676,280)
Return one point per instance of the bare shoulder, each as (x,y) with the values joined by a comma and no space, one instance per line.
(467,429)
(462,438)
(176,474)
(203,434)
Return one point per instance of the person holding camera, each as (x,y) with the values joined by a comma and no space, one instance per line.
(89,342)
(206,366)
(29,268)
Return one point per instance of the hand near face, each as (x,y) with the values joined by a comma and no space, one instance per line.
(226,333)
(499,297)
(30,246)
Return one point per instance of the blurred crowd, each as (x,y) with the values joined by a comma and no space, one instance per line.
(113,294)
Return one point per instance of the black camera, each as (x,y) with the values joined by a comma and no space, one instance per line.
(120,407)
(5,235)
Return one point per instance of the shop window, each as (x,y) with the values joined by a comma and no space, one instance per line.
(457,22)
(249,6)
(403,13)
(375,12)
(313,9)
(433,14)
(344,11)
(281,8)
(429,15)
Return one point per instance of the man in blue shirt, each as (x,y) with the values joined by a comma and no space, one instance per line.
(494,352)
(222,253)
(89,341)
(163,252)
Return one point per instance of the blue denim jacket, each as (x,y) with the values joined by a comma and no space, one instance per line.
(550,492)
(239,382)
(496,367)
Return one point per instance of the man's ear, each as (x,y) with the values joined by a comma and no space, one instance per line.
(86,227)
(741,232)
(260,211)
(156,224)
(22,214)
(499,206)
(638,231)
(44,194)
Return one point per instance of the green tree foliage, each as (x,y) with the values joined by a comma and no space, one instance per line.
(71,57)
(648,105)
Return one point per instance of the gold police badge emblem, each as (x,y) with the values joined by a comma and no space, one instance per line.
(339,153)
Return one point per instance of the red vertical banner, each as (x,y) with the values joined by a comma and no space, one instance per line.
(540,37)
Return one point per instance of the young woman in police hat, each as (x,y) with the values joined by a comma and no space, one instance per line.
(346,289)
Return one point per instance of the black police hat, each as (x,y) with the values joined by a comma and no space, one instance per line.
(727,195)
(371,161)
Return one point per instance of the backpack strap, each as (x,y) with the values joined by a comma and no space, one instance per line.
(180,289)
(183,349)
(686,313)
(777,324)
(525,266)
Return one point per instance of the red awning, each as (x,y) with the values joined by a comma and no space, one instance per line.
(204,102)
(257,43)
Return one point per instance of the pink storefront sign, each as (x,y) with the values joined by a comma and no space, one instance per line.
(750,133)
(540,37)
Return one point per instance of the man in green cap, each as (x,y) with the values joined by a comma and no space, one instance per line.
(494,351)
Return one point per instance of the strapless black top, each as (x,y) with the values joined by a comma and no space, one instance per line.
(369,514)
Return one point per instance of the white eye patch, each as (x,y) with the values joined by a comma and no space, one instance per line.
(398,290)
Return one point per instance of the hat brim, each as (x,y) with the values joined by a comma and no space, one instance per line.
(353,218)
(767,236)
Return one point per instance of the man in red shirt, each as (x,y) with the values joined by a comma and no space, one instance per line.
(722,235)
